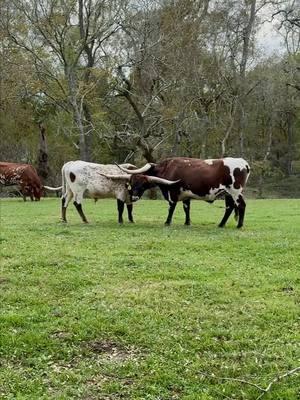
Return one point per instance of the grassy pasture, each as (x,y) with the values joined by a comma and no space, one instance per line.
(142,311)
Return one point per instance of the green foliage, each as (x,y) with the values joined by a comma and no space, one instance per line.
(186,89)
(141,311)
(264,169)
(296,167)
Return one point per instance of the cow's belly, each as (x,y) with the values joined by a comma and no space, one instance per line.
(188,194)
(211,196)
(100,194)
(101,190)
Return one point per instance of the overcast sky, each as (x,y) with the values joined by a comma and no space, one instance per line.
(269,40)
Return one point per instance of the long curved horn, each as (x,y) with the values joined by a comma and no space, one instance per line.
(128,165)
(145,168)
(161,181)
(123,176)
(52,189)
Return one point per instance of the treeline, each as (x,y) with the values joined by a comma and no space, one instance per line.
(116,80)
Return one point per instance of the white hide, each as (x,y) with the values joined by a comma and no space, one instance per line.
(88,179)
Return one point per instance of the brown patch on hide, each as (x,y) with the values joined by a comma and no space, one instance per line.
(239,178)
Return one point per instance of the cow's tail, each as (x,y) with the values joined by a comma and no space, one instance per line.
(63,182)
(243,174)
(247,172)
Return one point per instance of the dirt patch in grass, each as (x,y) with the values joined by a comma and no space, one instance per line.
(62,335)
(101,379)
(112,350)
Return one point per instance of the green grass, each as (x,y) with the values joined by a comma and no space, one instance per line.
(141,311)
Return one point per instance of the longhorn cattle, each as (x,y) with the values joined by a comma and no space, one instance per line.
(183,179)
(24,176)
(80,177)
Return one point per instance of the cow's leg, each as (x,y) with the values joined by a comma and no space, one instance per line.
(186,208)
(63,209)
(129,211)
(77,203)
(229,204)
(236,212)
(120,205)
(172,206)
(241,210)
(65,200)
(80,211)
(25,192)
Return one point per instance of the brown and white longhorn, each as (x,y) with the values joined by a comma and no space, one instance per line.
(25,177)
(183,179)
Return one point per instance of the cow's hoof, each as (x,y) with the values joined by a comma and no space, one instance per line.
(131,222)
(221,226)
(167,224)
(63,221)
(187,224)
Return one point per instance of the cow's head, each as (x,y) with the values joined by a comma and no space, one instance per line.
(139,183)
(136,184)
(34,191)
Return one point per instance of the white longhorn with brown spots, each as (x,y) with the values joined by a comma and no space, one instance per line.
(80,177)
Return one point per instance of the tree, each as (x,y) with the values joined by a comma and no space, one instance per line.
(64,41)
(42,158)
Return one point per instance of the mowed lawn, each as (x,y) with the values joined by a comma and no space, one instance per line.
(143,311)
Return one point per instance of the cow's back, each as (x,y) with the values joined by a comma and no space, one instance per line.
(87,177)
(200,176)
(15,173)
(188,169)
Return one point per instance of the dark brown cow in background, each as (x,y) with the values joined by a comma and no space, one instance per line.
(183,179)
(24,176)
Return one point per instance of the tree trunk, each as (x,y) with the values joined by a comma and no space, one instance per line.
(241,127)
(265,159)
(77,113)
(290,142)
(43,169)
(245,56)
(88,127)
(88,48)
(229,128)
